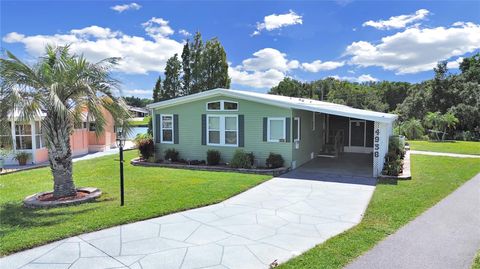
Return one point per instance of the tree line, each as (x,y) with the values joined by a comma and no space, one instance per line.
(434,107)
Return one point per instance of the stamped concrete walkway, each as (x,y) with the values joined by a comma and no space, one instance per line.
(276,220)
(444,237)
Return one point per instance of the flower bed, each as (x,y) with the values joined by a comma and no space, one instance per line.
(204,167)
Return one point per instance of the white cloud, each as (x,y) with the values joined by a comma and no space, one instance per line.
(455,63)
(157,28)
(125,7)
(268,58)
(397,22)
(318,65)
(184,32)
(274,21)
(415,50)
(139,55)
(269,66)
(359,79)
(95,31)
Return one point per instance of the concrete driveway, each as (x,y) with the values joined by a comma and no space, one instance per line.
(276,220)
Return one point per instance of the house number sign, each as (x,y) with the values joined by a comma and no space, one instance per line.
(376,144)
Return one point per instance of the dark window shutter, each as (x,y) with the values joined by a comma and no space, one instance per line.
(204,129)
(295,129)
(175,129)
(157,128)
(241,131)
(287,130)
(265,122)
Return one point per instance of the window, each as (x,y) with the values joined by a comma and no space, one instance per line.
(222,130)
(230,106)
(276,129)
(5,136)
(296,129)
(39,140)
(23,136)
(222,106)
(167,128)
(214,106)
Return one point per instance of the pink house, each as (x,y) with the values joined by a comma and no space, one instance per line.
(28,137)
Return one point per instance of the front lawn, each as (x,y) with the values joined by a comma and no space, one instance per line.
(391,207)
(149,192)
(462,147)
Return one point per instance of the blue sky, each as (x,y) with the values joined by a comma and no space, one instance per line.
(265,41)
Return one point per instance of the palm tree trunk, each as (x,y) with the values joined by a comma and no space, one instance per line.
(57,134)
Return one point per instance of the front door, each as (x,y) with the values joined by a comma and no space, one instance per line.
(357,133)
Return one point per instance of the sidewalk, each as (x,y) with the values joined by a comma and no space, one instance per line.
(444,154)
(445,236)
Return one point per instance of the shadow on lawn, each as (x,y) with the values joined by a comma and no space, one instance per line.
(14,215)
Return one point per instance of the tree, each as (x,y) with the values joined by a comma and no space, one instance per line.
(172,86)
(196,64)
(187,73)
(287,87)
(157,90)
(412,129)
(62,85)
(215,66)
(440,123)
(136,101)
(449,122)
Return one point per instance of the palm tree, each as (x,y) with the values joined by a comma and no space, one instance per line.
(62,85)
(449,122)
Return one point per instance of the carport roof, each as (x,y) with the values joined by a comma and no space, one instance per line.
(283,101)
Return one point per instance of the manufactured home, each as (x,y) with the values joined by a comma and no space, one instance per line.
(303,131)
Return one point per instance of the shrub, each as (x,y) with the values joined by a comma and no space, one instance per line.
(393,165)
(145,145)
(171,155)
(213,157)
(274,160)
(252,158)
(241,159)
(22,157)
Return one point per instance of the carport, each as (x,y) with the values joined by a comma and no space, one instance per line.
(340,140)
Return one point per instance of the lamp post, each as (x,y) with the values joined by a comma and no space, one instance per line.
(120,144)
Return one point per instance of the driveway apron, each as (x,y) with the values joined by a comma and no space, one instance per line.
(271,222)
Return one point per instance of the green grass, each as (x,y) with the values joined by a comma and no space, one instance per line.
(462,147)
(140,123)
(149,192)
(391,207)
(476,261)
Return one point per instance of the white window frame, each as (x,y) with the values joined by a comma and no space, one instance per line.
(161,129)
(268,129)
(38,132)
(31,135)
(222,105)
(298,128)
(313,121)
(222,130)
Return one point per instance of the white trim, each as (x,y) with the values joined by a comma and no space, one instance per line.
(161,129)
(283,101)
(298,128)
(222,106)
(268,129)
(222,131)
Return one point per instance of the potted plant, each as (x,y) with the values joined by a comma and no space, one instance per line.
(22,157)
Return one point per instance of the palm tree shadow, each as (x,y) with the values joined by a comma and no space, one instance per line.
(14,216)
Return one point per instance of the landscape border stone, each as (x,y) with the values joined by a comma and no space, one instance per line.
(33,202)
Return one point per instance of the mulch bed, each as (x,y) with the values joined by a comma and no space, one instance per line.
(217,168)
(49,197)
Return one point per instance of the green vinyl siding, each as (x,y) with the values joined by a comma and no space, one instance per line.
(190,130)
(310,140)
